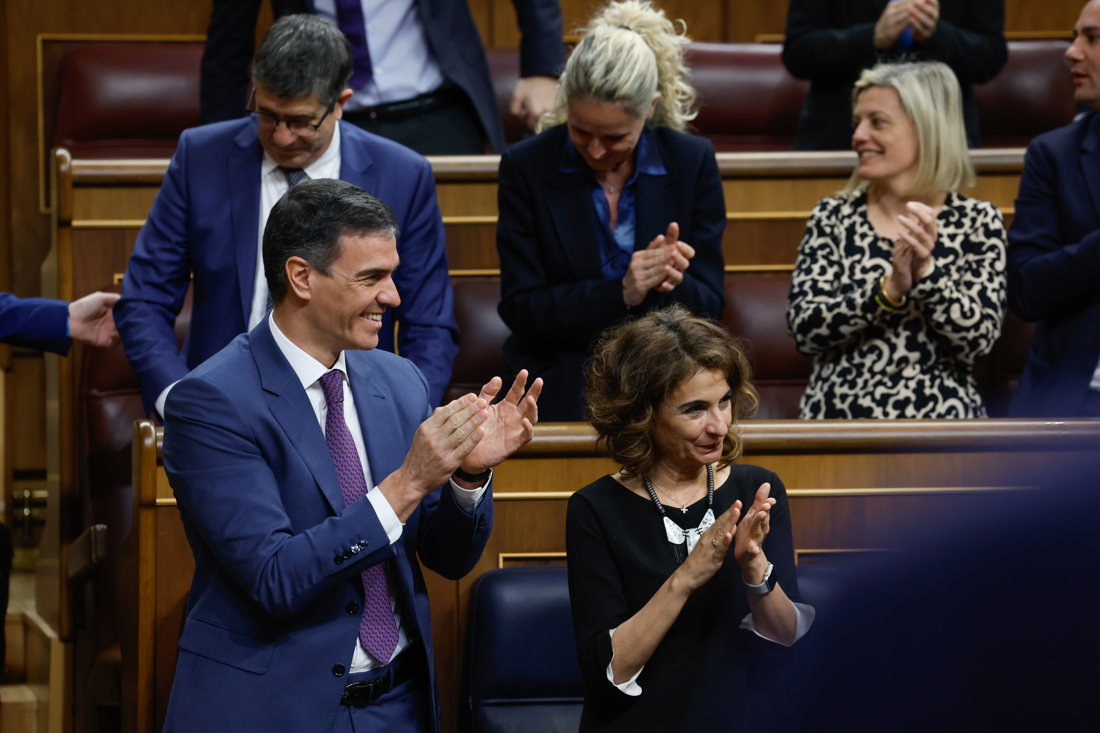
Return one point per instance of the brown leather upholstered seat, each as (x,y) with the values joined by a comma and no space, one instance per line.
(1032,94)
(127,99)
(481,334)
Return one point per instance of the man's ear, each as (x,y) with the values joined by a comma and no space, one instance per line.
(298,273)
(338,108)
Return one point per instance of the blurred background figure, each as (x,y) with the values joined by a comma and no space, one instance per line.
(612,210)
(829,42)
(1054,260)
(985,622)
(899,284)
(49,325)
(681,565)
(420,75)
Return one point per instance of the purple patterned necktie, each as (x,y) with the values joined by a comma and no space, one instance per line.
(349,18)
(377,629)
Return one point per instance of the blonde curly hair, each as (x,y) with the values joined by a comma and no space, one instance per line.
(629,54)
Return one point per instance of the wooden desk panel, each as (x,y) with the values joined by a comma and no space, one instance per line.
(853,486)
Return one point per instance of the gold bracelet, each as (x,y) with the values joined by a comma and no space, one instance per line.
(882,304)
(886,295)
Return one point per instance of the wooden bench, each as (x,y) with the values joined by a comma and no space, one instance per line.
(853,486)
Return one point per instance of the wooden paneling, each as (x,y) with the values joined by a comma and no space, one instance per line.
(853,485)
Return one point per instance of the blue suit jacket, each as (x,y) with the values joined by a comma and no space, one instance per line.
(203,224)
(553,295)
(36,323)
(278,554)
(1054,267)
(453,41)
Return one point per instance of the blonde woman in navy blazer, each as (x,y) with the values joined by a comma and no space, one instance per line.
(613,210)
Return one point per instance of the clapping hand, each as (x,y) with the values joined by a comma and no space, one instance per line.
(660,266)
(509,424)
(911,256)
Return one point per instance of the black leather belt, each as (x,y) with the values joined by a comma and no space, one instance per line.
(397,672)
(396,111)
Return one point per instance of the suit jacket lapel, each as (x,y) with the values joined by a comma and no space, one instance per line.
(1090,162)
(655,202)
(293,412)
(243,174)
(376,414)
(356,164)
(569,197)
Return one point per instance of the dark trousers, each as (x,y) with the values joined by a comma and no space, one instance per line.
(444,123)
(401,710)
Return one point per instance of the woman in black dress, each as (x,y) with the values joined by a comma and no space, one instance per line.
(681,565)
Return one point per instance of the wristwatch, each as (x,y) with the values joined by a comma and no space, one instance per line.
(767,586)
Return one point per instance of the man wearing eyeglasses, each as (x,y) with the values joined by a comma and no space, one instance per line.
(206,224)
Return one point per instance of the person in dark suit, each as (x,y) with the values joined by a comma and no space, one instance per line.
(1054,249)
(205,225)
(429,86)
(52,325)
(829,42)
(313,478)
(611,211)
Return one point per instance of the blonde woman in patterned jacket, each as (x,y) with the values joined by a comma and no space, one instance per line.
(899,284)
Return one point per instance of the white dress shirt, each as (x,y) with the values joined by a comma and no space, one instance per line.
(309,372)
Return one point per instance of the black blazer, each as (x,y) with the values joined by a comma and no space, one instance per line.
(829,42)
(1054,267)
(452,36)
(553,295)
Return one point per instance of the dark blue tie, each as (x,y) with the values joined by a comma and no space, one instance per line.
(377,627)
(349,17)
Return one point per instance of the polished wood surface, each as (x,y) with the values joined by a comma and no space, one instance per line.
(853,486)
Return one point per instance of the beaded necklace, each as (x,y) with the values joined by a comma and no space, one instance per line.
(682,541)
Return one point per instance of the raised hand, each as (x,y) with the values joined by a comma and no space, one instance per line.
(710,551)
(660,266)
(911,256)
(892,22)
(509,424)
(748,548)
(924,15)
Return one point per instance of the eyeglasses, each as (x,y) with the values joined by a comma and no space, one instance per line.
(299,127)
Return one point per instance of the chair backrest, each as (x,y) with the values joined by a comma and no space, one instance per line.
(522,671)
(747,99)
(756,313)
(481,334)
(127,99)
(1032,94)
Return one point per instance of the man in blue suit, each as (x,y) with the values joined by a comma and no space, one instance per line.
(262,445)
(52,325)
(1054,248)
(421,78)
(205,225)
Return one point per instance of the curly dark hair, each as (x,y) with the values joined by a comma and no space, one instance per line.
(637,365)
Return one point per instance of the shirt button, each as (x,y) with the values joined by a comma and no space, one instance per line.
(338,670)
(352,608)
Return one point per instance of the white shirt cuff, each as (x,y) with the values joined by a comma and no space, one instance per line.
(804,615)
(631,686)
(162,398)
(468,499)
(386,515)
